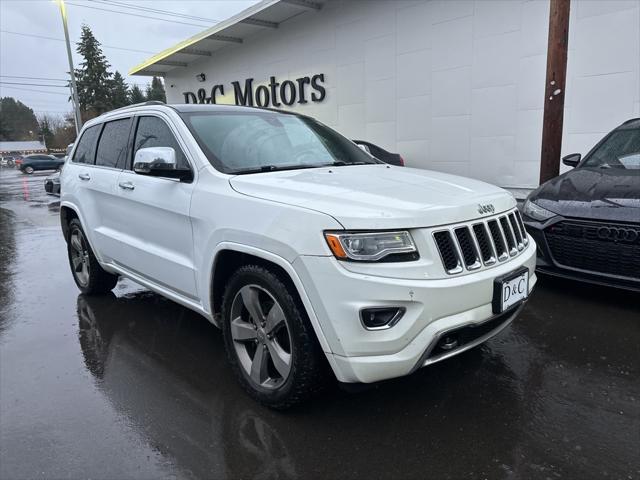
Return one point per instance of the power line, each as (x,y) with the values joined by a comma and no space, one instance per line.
(32,84)
(157,10)
(33,90)
(62,40)
(36,78)
(137,15)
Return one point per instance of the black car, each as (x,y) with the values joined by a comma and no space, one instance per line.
(586,222)
(380,153)
(34,162)
(52,184)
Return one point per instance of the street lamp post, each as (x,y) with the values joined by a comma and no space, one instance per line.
(74,88)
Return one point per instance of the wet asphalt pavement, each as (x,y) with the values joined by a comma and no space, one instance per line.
(131,385)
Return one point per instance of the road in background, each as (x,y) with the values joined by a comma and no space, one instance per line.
(131,385)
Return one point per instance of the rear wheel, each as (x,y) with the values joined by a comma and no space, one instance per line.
(269,340)
(88,274)
(28,170)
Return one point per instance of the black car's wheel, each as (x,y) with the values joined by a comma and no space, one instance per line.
(28,170)
(269,340)
(90,277)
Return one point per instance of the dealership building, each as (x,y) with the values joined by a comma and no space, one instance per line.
(458,86)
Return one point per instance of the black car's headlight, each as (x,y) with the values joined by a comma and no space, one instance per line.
(372,246)
(536,212)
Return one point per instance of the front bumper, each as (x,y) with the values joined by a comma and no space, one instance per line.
(433,307)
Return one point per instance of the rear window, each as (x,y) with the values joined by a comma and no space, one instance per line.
(112,147)
(85,152)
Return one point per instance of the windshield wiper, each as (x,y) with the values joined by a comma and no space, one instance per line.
(275,168)
(342,163)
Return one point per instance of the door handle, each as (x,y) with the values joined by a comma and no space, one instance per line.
(126,185)
(84,176)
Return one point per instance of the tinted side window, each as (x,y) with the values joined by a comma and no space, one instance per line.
(154,132)
(86,146)
(112,147)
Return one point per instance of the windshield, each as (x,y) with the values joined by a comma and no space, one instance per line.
(249,142)
(620,150)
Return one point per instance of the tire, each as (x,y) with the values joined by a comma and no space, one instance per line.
(284,333)
(28,170)
(89,276)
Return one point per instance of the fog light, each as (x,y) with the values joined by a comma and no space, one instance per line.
(379,318)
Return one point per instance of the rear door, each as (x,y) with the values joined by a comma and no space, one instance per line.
(76,177)
(157,235)
(49,163)
(102,187)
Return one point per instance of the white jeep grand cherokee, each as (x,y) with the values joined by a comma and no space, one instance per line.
(303,248)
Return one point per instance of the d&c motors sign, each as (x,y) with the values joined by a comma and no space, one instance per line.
(275,94)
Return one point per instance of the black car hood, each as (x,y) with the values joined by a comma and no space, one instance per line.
(593,193)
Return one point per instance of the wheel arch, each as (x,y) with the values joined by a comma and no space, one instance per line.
(68,212)
(228,257)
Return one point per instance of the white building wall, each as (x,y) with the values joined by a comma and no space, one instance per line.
(603,71)
(454,85)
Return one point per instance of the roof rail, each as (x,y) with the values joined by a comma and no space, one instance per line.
(150,102)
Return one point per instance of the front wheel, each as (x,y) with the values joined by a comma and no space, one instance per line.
(28,170)
(89,276)
(269,340)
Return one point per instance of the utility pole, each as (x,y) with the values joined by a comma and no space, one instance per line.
(552,122)
(74,88)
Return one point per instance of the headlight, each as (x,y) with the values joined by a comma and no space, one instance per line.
(536,211)
(371,246)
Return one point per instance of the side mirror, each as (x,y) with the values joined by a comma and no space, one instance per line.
(159,162)
(572,160)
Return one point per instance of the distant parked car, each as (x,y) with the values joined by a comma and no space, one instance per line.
(586,222)
(52,184)
(8,161)
(380,153)
(34,162)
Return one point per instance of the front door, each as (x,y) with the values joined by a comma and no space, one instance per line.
(154,221)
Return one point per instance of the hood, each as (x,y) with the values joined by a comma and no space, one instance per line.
(365,197)
(594,193)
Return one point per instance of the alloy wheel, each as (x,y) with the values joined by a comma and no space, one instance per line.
(79,257)
(261,337)
(29,170)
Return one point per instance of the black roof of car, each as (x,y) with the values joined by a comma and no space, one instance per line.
(630,124)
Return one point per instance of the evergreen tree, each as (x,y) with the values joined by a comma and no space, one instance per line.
(155,91)
(120,92)
(17,121)
(93,77)
(136,95)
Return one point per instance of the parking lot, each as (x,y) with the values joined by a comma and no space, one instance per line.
(131,385)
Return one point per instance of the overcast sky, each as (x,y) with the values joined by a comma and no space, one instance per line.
(37,57)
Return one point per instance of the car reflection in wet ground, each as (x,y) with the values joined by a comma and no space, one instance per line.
(131,385)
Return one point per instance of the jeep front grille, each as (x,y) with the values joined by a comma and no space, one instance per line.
(485,242)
